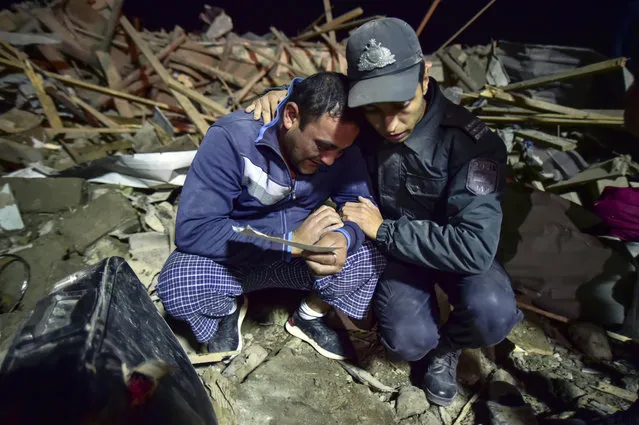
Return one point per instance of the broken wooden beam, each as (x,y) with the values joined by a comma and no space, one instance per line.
(467,24)
(52,132)
(234,79)
(184,101)
(116,8)
(299,58)
(588,70)
(458,70)
(113,80)
(108,122)
(105,90)
(537,104)
(547,140)
(45,100)
(334,25)
(328,11)
(427,17)
(540,119)
(198,359)
(296,70)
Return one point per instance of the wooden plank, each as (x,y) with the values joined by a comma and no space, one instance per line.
(467,24)
(427,17)
(70,45)
(97,114)
(211,71)
(536,104)
(458,71)
(588,70)
(45,100)
(57,60)
(105,90)
(116,43)
(113,79)
(198,359)
(616,391)
(545,139)
(328,10)
(52,132)
(335,24)
(116,8)
(339,27)
(297,70)
(302,61)
(193,113)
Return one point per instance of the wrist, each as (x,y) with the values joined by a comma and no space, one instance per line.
(295,252)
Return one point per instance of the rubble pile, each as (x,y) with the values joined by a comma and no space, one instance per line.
(100,120)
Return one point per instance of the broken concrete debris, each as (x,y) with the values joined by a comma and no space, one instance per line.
(100,123)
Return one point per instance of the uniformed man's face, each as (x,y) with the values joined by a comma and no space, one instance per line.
(395,121)
(320,142)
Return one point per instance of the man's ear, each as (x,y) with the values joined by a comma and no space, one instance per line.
(427,66)
(291,115)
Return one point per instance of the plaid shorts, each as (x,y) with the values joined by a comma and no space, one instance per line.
(200,291)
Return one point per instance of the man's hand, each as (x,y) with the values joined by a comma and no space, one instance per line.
(266,105)
(322,220)
(326,264)
(365,214)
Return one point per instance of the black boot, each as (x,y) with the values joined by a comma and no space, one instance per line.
(440,380)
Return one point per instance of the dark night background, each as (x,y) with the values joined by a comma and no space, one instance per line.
(586,23)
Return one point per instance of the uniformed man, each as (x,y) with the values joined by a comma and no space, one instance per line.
(438,172)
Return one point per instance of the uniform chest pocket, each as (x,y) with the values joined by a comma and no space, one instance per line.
(425,191)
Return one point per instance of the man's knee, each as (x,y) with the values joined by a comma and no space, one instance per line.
(492,311)
(406,325)
(368,261)
(410,340)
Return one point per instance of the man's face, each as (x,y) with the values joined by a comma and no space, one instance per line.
(321,142)
(395,121)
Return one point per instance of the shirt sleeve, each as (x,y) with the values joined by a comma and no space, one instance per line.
(468,241)
(353,182)
(203,224)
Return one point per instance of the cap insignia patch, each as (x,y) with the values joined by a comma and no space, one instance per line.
(375,56)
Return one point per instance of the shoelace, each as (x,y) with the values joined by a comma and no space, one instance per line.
(444,362)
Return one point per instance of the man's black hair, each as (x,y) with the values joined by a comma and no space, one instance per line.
(324,92)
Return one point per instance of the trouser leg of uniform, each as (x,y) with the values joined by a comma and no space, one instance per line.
(407,311)
(484,307)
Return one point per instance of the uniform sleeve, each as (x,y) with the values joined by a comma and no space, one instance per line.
(468,241)
(354,182)
(203,225)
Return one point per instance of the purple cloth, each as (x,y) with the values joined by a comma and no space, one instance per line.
(618,208)
(200,291)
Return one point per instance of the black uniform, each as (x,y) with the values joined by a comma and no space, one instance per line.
(439,194)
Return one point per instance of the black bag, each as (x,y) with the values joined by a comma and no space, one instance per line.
(97,351)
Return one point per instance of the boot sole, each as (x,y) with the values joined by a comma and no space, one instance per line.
(444,402)
(295,331)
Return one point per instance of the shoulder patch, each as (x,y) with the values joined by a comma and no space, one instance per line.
(483,176)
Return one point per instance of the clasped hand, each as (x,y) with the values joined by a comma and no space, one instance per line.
(318,229)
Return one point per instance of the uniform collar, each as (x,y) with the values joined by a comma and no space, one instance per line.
(425,133)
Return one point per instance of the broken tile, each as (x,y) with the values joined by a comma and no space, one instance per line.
(45,195)
(85,225)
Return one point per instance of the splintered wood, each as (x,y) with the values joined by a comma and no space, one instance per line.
(95,76)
